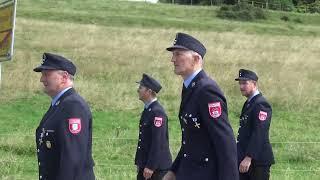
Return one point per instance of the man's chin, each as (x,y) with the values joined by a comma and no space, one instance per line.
(243,94)
(177,72)
(47,92)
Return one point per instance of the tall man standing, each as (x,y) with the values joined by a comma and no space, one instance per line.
(64,135)
(208,148)
(255,154)
(153,157)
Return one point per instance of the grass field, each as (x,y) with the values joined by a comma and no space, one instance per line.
(114,42)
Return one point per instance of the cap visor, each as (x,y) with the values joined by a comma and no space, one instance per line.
(40,68)
(242,79)
(176,47)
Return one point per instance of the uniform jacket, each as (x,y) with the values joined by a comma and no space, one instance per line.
(208,148)
(64,140)
(253,134)
(153,145)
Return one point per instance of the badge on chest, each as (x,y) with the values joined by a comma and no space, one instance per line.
(193,121)
(46,137)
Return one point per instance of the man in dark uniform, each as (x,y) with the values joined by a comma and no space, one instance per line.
(153,157)
(255,154)
(208,148)
(64,135)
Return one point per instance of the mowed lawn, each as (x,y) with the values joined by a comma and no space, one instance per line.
(112,53)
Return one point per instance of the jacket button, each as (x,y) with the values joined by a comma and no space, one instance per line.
(39,163)
(138,147)
(182,129)
(206,159)
(40,177)
(184,155)
(140,140)
(183,142)
(140,132)
(38,150)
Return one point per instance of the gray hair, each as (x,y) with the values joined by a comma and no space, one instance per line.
(70,76)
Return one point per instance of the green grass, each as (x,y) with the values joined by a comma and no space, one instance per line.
(140,14)
(114,42)
(115,135)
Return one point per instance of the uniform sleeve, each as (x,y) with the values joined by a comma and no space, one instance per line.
(73,139)
(262,117)
(215,117)
(158,130)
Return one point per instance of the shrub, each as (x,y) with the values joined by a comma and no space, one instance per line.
(309,7)
(225,8)
(297,20)
(284,18)
(314,7)
(242,12)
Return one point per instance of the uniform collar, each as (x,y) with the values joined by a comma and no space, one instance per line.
(253,95)
(146,105)
(55,99)
(190,78)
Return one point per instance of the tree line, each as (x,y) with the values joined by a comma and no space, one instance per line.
(304,6)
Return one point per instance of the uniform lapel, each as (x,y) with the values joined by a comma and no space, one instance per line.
(147,111)
(248,105)
(53,108)
(244,107)
(187,92)
(143,114)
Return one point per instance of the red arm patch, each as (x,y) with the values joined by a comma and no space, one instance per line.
(214,109)
(74,125)
(263,115)
(157,121)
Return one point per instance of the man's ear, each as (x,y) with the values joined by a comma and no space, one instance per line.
(196,58)
(255,83)
(65,76)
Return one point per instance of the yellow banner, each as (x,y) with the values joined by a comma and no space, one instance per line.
(7,18)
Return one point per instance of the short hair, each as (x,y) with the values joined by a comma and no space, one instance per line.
(153,93)
(197,54)
(70,76)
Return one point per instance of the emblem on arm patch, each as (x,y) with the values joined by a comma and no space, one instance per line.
(214,109)
(74,125)
(263,115)
(157,121)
